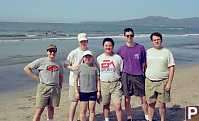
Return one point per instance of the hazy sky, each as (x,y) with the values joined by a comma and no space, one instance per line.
(94,10)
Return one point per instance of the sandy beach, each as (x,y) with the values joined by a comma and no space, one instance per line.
(19,106)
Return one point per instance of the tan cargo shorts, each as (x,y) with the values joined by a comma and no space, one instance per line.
(111,91)
(48,95)
(155,91)
(72,93)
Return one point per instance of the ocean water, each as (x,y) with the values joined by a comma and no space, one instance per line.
(19,46)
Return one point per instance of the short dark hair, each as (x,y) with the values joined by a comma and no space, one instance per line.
(108,40)
(128,30)
(156,34)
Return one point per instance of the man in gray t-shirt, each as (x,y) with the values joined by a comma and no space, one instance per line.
(50,82)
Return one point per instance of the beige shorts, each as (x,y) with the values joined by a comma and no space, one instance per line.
(47,95)
(71,93)
(111,91)
(155,91)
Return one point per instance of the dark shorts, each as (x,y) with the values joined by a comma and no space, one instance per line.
(91,96)
(133,84)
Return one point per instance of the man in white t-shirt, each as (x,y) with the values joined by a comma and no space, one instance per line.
(159,75)
(72,63)
(110,66)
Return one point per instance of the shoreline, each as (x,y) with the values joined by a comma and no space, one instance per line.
(37,37)
(19,105)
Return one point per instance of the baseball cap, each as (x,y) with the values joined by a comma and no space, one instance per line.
(51,46)
(87,52)
(82,36)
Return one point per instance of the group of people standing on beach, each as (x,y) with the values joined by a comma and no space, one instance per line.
(109,78)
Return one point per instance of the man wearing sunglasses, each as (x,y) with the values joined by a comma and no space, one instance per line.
(133,80)
(72,63)
(50,77)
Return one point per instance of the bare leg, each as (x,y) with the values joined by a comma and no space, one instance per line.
(118,110)
(83,109)
(162,111)
(106,110)
(72,110)
(50,113)
(151,110)
(38,113)
(128,107)
(92,110)
(144,105)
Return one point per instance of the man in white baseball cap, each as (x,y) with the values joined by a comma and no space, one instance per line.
(82,37)
(72,63)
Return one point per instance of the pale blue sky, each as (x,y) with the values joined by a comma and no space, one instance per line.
(94,10)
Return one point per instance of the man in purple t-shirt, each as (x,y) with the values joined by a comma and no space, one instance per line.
(133,80)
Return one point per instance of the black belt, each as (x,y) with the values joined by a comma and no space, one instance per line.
(110,81)
(156,80)
(48,84)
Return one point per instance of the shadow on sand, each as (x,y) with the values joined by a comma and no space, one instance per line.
(175,113)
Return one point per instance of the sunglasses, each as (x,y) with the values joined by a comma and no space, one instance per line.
(131,35)
(52,50)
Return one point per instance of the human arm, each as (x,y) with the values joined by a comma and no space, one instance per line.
(98,87)
(77,89)
(61,76)
(144,65)
(171,69)
(71,67)
(170,78)
(28,71)
(70,62)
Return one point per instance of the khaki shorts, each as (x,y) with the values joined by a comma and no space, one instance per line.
(72,93)
(155,91)
(47,95)
(111,91)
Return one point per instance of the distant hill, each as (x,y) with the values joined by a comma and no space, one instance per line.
(159,21)
(164,22)
(149,24)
